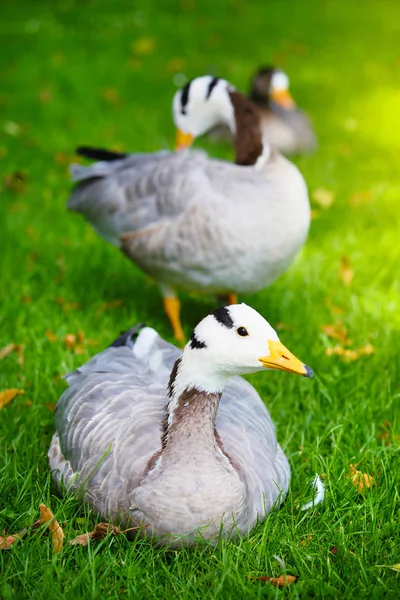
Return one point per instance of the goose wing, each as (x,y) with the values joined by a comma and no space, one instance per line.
(135,191)
(108,422)
(248,436)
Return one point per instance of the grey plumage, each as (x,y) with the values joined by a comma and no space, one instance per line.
(108,427)
(197,223)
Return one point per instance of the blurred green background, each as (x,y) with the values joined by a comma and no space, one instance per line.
(103,74)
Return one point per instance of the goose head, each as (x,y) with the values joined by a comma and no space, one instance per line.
(271,85)
(200,105)
(233,340)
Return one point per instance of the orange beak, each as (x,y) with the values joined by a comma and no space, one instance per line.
(281,359)
(183,140)
(283,98)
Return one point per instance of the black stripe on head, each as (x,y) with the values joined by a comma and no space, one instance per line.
(223,316)
(211,86)
(185,97)
(195,343)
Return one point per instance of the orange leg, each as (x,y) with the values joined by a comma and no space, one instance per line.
(232,298)
(172,308)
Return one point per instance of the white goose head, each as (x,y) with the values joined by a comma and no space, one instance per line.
(270,84)
(199,106)
(233,340)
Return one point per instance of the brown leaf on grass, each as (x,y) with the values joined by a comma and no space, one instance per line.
(360,480)
(45,95)
(8,540)
(70,341)
(366,350)
(7,350)
(324,198)
(144,46)
(307,540)
(346,273)
(280,582)
(57,534)
(7,395)
(334,350)
(176,65)
(51,336)
(348,354)
(337,332)
(99,533)
(26,299)
(385,434)
(111,96)
(16,182)
(78,342)
(107,305)
(336,310)
(21,354)
(360,198)
(67,305)
(17,348)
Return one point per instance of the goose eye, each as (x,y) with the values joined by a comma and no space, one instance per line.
(242,331)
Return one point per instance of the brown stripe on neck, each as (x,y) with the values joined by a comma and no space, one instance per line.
(248,140)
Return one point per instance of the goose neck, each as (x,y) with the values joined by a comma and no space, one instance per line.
(192,408)
(247,139)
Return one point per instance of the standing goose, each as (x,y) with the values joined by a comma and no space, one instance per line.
(286,128)
(174,442)
(193,222)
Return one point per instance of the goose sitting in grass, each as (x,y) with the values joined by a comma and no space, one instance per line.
(193,222)
(286,128)
(175,443)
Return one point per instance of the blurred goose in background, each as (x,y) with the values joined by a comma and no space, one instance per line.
(194,222)
(174,442)
(286,128)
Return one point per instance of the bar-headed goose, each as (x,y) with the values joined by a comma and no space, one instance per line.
(193,222)
(175,442)
(287,128)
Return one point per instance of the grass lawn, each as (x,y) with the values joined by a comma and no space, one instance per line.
(101,73)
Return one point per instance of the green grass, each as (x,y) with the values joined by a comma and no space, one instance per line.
(57,61)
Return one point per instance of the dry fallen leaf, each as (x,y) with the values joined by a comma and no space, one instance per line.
(307,540)
(6,542)
(347,354)
(346,273)
(334,351)
(99,533)
(360,480)
(322,197)
(336,310)
(350,355)
(7,350)
(106,305)
(337,332)
(144,46)
(70,341)
(360,198)
(280,582)
(51,336)
(16,181)
(57,534)
(9,540)
(366,350)
(7,395)
(111,96)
